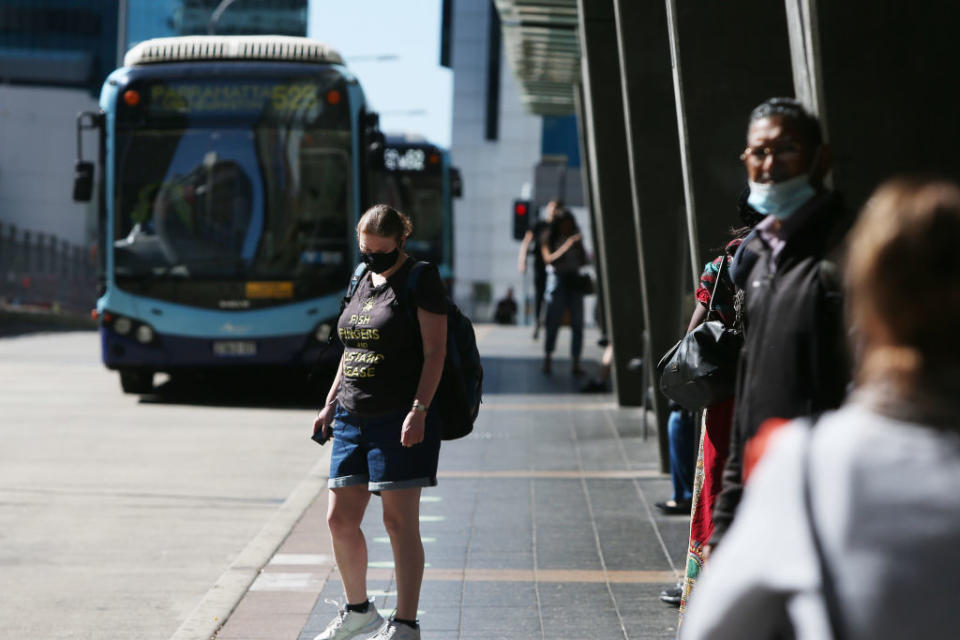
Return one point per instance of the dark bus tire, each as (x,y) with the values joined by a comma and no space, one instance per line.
(136,381)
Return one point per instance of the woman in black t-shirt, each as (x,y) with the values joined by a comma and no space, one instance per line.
(385,439)
(531,240)
(562,249)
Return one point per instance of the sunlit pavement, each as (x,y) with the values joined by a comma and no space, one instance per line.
(542,525)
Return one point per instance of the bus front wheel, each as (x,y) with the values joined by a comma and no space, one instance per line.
(136,381)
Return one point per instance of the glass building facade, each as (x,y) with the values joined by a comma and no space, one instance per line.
(279,17)
(77,43)
(162,18)
(150,19)
(60,43)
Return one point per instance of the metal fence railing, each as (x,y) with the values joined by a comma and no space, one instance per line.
(41,270)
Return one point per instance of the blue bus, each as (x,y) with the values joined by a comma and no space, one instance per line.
(233,171)
(418,179)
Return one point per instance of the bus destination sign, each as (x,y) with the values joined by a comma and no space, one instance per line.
(410,159)
(229,97)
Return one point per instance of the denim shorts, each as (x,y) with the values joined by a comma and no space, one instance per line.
(368,451)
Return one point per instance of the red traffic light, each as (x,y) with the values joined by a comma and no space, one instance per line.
(520,223)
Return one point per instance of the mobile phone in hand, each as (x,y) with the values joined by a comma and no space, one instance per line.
(319,438)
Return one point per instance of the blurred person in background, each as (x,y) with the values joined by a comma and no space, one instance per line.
(683,452)
(561,247)
(851,529)
(600,383)
(531,244)
(506,311)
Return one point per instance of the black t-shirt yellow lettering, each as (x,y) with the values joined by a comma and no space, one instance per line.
(351,371)
(383,353)
(357,334)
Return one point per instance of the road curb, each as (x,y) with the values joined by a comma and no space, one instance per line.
(218,604)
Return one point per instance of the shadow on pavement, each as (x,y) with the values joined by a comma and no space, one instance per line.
(286,390)
(265,389)
(16,323)
(510,375)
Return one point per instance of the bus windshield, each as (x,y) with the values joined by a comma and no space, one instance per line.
(420,196)
(234,179)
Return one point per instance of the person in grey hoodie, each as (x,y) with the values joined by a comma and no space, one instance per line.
(851,529)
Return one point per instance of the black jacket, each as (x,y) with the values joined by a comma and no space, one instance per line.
(794,360)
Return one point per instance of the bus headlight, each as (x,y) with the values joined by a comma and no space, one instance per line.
(322,332)
(122,325)
(144,334)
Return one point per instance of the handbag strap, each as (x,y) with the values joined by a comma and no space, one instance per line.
(716,283)
(829,588)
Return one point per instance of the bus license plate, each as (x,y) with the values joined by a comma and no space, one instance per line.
(233,348)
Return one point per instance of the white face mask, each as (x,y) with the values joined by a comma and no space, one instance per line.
(781,199)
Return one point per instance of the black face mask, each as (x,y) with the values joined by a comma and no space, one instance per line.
(380,262)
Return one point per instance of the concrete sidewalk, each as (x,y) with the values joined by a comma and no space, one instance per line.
(542,525)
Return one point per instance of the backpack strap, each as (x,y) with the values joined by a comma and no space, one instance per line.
(410,291)
(716,284)
(358,274)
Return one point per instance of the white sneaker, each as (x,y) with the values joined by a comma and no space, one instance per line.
(394,631)
(350,624)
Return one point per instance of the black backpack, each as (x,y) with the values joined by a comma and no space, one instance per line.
(458,395)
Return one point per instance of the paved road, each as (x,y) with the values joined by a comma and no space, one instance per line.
(118,514)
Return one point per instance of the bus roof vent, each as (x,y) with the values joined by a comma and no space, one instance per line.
(188,48)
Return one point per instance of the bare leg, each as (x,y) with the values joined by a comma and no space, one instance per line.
(344,515)
(401,517)
(606,363)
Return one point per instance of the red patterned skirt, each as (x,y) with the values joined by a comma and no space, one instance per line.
(712,456)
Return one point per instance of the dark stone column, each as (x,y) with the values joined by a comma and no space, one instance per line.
(657,179)
(733,55)
(886,79)
(610,180)
(586,177)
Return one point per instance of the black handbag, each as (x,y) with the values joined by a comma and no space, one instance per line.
(578,282)
(583,284)
(701,369)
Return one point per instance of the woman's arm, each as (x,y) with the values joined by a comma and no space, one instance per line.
(699,314)
(325,415)
(335,385)
(433,329)
(524,248)
(549,257)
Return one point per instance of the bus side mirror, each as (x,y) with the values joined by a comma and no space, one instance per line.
(376,145)
(83,170)
(376,141)
(82,181)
